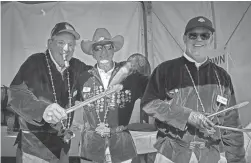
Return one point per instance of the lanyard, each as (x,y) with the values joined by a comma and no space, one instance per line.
(218,82)
(197,93)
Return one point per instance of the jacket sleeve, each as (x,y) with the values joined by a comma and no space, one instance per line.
(142,83)
(233,141)
(22,99)
(82,77)
(157,103)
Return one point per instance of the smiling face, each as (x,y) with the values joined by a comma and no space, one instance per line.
(198,42)
(104,53)
(63,43)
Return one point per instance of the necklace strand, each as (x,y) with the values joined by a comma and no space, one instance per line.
(219,84)
(198,96)
(106,110)
(54,92)
(197,93)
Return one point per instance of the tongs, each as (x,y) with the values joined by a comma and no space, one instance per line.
(226,110)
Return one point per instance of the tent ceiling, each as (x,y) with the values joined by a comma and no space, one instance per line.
(28,2)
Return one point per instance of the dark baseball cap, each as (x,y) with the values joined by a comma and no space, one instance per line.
(64,27)
(199,21)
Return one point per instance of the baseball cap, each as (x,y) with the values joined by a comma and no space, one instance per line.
(64,27)
(199,21)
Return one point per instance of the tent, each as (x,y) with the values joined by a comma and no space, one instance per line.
(154,29)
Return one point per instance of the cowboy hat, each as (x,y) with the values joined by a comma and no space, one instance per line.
(102,36)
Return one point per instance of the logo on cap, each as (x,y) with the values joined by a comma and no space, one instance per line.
(67,26)
(201,20)
(101,39)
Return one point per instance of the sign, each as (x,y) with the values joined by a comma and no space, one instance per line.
(219,57)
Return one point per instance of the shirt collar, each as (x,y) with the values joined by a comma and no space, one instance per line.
(197,64)
(60,69)
(108,72)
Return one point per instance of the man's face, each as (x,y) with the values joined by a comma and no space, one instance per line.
(198,42)
(60,44)
(103,53)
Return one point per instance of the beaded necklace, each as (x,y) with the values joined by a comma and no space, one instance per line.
(197,93)
(98,109)
(103,127)
(194,142)
(55,95)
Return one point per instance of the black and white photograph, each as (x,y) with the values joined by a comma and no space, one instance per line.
(125,81)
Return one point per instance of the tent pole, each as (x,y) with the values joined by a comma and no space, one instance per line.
(237,26)
(214,23)
(145,28)
(227,62)
(148,37)
(147,18)
(225,47)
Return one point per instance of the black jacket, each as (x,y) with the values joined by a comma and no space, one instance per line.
(37,137)
(170,97)
(120,106)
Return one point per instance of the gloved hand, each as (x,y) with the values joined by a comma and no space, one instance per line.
(54,113)
(201,122)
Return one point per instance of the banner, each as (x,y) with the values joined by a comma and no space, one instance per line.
(219,57)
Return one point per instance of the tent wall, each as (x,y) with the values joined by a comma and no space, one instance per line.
(26,28)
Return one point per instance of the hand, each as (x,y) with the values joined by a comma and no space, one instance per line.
(10,124)
(207,132)
(201,122)
(54,113)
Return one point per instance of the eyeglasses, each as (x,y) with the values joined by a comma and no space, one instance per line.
(203,36)
(61,43)
(100,47)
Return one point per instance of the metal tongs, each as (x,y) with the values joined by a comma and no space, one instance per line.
(226,110)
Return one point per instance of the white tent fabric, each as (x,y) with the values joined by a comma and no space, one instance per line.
(169,20)
(26,28)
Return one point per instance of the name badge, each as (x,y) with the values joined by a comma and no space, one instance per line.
(75,93)
(222,100)
(86,89)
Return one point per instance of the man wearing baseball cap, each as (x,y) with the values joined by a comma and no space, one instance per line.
(182,92)
(41,90)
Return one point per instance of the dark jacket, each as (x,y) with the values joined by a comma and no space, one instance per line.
(37,137)
(170,97)
(120,110)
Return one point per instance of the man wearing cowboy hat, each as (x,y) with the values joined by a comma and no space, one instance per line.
(105,136)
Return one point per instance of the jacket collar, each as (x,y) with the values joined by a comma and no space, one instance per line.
(53,62)
(197,64)
(110,71)
(95,73)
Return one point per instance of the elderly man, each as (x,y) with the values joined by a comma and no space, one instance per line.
(182,92)
(105,136)
(41,90)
